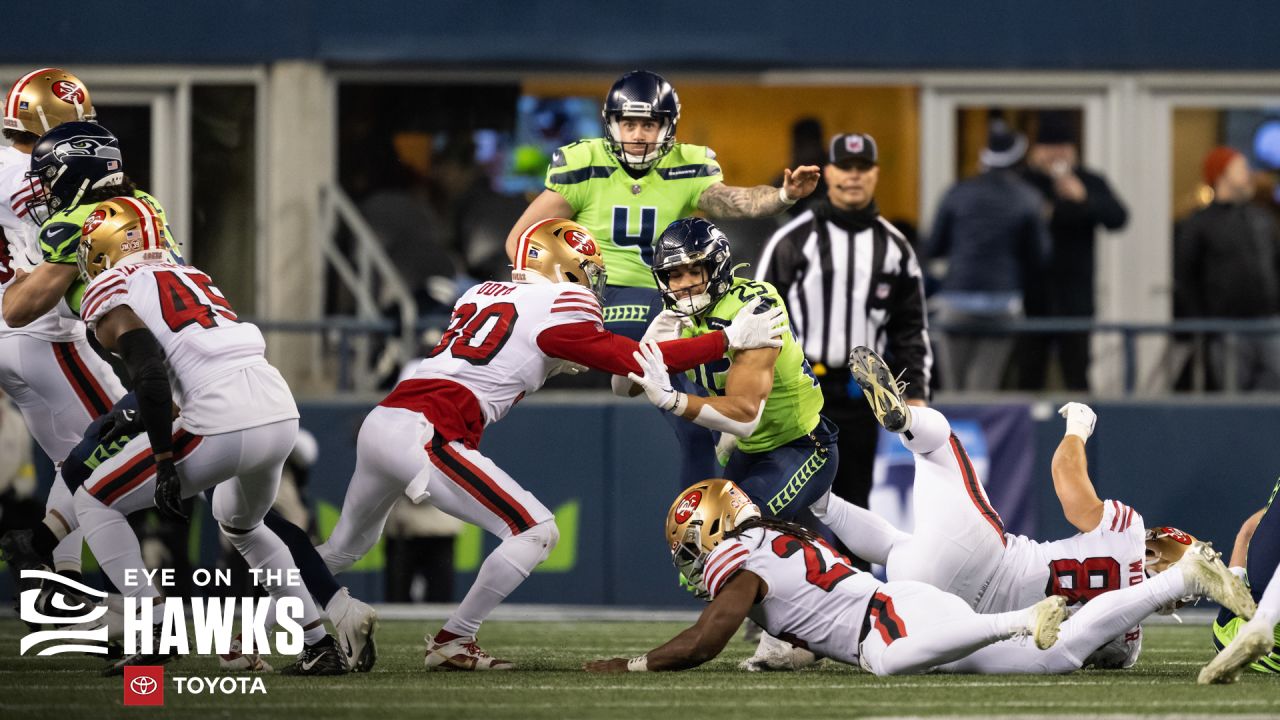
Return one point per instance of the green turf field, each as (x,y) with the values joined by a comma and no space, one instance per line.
(549,684)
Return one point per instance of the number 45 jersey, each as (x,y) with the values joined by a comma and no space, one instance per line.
(217,365)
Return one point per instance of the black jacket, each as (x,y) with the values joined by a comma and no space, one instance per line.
(991,230)
(1227,263)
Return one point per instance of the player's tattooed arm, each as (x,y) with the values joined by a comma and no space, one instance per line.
(707,638)
(724,201)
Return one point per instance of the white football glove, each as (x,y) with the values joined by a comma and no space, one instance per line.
(1080,419)
(656,381)
(666,325)
(749,330)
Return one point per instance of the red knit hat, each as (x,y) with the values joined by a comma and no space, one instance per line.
(1216,162)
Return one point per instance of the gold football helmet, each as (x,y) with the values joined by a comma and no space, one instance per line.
(1165,546)
(44,99)
(698,521)
(559,250)
(120,231)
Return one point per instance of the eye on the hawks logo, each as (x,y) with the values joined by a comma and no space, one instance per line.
(92,222)
(581,242)
(687,505)
(68,92)
(853,143)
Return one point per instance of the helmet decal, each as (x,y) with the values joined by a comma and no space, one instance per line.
(687,505)
(68,92)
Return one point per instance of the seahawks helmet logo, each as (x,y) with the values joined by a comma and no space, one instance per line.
(80,599)
(84,146)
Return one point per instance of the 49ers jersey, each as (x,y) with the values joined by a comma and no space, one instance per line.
(221,378)
(20,249)
(491,344)
(814,596)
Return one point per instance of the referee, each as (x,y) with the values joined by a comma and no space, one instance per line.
(850,278)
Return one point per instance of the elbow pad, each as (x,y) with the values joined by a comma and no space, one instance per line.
(709,417)
(144,359)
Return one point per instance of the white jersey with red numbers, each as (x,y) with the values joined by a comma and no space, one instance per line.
(815,599)
(20,249)
(1079,568)
(221,378)
(491,344)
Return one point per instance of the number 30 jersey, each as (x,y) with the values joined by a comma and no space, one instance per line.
(217,365)
(491,345)
(814,598)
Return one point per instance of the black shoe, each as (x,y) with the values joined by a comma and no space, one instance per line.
(323,658)
(117,668)
(19,550)
(883,391)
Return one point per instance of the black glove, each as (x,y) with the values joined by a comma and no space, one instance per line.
(168,497)
(119,423)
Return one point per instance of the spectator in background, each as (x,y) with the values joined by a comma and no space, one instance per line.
(1227,265)
(1079,202)
(991,232)
(850,278)
(420,540)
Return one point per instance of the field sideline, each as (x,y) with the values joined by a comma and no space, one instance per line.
(549,685)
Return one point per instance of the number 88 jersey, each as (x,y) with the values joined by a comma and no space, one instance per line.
(217,364)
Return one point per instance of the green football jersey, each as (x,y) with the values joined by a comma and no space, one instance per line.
(791,410)
(625,214)
(1224,633)
(60,239)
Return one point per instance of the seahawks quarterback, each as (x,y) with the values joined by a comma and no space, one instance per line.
(628,185)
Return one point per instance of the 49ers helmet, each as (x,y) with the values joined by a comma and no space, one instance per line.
(1165,546)
(559,250)
(698,521)
(641,94)
(121,231)
(44,99)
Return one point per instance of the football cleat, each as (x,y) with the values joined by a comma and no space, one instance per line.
(322,658)
(1044,620)
(1254,640)
(237,661)
(774,655)
(118,667)
(18,549)
(355,623)
(461,654)
(1204,573)
(883,391)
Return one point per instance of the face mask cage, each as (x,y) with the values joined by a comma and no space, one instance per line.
(688,556)
(653,151)
(688,301)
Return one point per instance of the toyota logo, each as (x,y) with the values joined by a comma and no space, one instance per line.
(143,685)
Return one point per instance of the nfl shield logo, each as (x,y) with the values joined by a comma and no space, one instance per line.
(853,143)
(882,291)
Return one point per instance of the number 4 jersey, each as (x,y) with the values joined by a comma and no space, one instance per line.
(217,365)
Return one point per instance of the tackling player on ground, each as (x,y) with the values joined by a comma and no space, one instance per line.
(503,342)
(630,184)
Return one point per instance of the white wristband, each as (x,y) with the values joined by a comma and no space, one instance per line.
(638,664)
(681,404)
(786,199)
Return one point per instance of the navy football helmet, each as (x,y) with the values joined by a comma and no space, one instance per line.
(641,94)
(67,162)
(693,241)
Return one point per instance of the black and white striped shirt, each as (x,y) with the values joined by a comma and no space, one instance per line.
(852,279)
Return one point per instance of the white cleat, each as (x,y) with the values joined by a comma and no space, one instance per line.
(1255,640)
(1205,574)
(1044,620)
(237,661)
(354,623)
(774,655)
(461,654)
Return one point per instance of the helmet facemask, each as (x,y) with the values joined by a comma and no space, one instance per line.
(653,151)
(685,302)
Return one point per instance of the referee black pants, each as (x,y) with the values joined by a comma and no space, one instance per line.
(859,432)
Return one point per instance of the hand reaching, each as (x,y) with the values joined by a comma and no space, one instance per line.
(656,381)
(754,329)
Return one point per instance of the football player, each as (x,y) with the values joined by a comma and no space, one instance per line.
(798,588)
(960,546)
(628,185)
(1250,643)
(236,426)
(57,381)
(503,342)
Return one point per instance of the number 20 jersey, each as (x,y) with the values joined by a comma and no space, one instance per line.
(217,365)
(491,344)
(813,597)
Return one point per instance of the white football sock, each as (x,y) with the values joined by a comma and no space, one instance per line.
(929,430)
(865,533)
(113,543)
(263,549)
(501,573)
(70,548)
